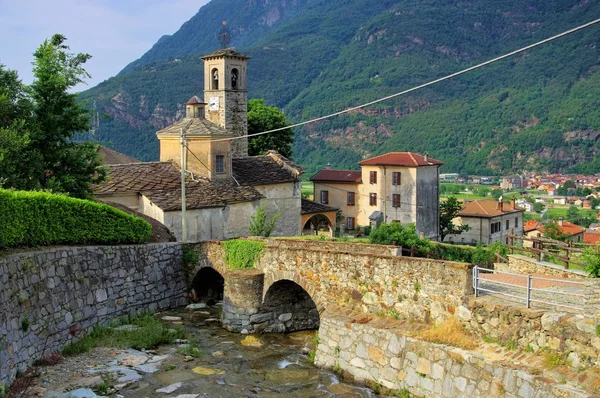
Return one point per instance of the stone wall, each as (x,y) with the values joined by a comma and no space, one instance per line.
(385,356)
(346,247)
(527,265)
(409,287)
(573,336)
(49,298)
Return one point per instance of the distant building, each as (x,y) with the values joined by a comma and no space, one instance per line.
(511,182)
(490,221)
(535,229)
(395,187)
(524,204)
(448,177)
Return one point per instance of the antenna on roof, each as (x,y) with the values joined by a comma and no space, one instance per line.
(224,36)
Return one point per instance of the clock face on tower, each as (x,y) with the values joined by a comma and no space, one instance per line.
(213,104)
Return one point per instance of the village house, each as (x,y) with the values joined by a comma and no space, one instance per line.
(535,229)
(223,185)
(394,187)
(525,205)
(489,221)
(511,182)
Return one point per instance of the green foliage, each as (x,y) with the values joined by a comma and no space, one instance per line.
(38,219)
(592,261)
(25,324)
(189,258)
(264,118)
(150,333)
(38,124)
(258,223)
(242,254)
(191,350)
(538,207)
(552,231)
(388,234)
(448,210)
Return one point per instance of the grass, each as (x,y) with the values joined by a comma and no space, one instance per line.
(449,332)
(509,344)
(191,350)
(553,360)
(149,334)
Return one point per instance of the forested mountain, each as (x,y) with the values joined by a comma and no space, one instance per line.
(537,111)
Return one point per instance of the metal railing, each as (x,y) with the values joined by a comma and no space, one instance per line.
(558,297)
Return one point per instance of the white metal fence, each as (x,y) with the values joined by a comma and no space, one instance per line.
(522,289)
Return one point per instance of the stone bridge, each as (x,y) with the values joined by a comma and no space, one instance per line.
(295,281)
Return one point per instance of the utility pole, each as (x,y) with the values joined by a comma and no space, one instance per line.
(183,200)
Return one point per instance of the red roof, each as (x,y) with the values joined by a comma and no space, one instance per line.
(407,159)
(531,225)
(567,228)
(590,237)
(354,176)
(486,208)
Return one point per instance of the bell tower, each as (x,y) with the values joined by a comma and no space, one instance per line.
(225,90)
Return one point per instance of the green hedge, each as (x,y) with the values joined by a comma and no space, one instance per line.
(39,219)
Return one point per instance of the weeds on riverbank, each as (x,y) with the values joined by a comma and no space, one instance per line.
(449,332)
(146,332)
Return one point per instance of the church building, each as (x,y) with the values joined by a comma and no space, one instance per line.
(223,185)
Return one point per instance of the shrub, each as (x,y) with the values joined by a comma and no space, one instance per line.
(259,225)
(403,236)
(242,254)
(592,261)
(39,219)
(449,332)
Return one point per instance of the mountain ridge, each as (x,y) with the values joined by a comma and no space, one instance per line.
(520,114)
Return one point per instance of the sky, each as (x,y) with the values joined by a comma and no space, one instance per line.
(114,32)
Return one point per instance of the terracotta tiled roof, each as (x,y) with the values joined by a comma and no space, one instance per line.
(271,168)
(568,228)
(194,126)
(531,225)
(161,183)
(487,208)
(592,238)
(114,157)
(354,176)
(226,52)
(407,159)
(310,207)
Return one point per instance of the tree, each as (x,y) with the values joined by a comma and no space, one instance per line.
(448,211)
(552,231)
(42,121)
(538,207)
(396,233)
(496,193)
(484,191)
(573,214)
(262,117)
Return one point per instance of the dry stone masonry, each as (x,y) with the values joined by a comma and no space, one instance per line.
(49,298)
(386,356)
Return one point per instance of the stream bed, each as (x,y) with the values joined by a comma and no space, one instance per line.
(225,364)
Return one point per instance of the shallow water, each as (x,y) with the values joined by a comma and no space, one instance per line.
(277,368)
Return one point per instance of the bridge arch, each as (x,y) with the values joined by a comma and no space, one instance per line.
(207,286)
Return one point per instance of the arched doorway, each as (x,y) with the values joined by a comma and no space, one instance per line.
(318,222)
(208,286)
(289,308)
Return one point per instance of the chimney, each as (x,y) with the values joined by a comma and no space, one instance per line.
(500,206)
(513,203)
(560,222)
(328,166)
(426,157)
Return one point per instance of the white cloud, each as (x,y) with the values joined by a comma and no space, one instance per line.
(114,32)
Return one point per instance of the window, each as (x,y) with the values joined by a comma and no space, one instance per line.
(215,79)
(325,197)
(220,164)
(495,227)
(350,222)
(507,225)
(373,199)
(373,177)
(234,78)
(351,198)
(517,222)
(395,200)
(396,178)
